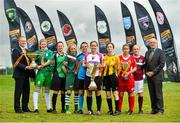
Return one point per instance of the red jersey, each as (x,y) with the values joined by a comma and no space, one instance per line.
(126,64)
(138,75)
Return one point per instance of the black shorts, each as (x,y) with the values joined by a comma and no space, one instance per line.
(76,84)
(58,83)
(81,84)
(110,82)
(98,81)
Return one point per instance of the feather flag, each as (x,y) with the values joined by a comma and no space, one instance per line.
(67,29)
(167,42)
(103,30)
(47,28)
(145,23)
(14,23)
(128,26)
(32,41)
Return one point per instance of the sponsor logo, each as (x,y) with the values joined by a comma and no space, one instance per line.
(11,14)
(160,18)
(28,27)
(131,40)
(166,36)
(71,41)
(67,30)
(51,41)
(45,26)
(127,22)
(147,38)
(101,27)
(172,68)
(144,22)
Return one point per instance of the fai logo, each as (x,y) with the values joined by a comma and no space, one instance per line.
(144,22)
(160,18)
(101,27)
(28,27)
(45,26)
(67,30)
(127,22)
(11,14)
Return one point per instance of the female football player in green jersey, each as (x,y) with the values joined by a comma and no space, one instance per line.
(44,75)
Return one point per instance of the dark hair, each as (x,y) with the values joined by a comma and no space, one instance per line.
(125,45)
(93,42)
(59,42)
(83,43)
(109,44)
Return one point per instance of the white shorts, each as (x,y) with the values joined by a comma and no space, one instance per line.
(139,85)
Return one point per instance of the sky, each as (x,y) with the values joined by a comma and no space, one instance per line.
(81,14)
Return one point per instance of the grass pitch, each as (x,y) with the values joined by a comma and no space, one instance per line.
(171,101)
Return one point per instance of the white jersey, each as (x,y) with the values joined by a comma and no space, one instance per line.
(93,60)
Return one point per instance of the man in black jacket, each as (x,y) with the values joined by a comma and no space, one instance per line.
(154,63)
(22,72)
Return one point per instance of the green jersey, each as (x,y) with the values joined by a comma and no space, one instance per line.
(70,63)
(44,57)
(60,62)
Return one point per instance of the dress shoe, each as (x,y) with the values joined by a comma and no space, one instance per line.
(159,113)
(19,111)
(27,110)
(153,112)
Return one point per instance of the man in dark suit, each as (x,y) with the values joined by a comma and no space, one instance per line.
(154,63)
(22,72)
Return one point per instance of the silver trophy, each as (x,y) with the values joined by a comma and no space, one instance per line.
(33,56)
(93,69)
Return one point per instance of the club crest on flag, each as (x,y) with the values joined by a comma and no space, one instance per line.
(28,27)
(67,30)
(160,18)
(101,27)
(127,22)
(11,14)
(45,26)
(144,22)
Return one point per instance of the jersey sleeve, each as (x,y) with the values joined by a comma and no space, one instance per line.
(133,62)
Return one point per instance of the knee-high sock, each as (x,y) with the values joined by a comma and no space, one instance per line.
(47,98)
(98,102)
(140,102)
(63,101)
(120,103)
(89,103)
(67,101)
(109,102)
(54,99)
(35,99)
(131,103)
(76,100)
(116,105)
(81,101)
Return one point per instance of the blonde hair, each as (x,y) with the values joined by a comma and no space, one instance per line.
(69,46)
(43,40)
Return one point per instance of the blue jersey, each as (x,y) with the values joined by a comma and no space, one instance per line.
(82,69)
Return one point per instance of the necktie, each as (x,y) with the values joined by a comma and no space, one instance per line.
(27,59)
(151,55)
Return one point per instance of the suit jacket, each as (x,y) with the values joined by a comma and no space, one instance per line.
(19,70)
(156,64)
